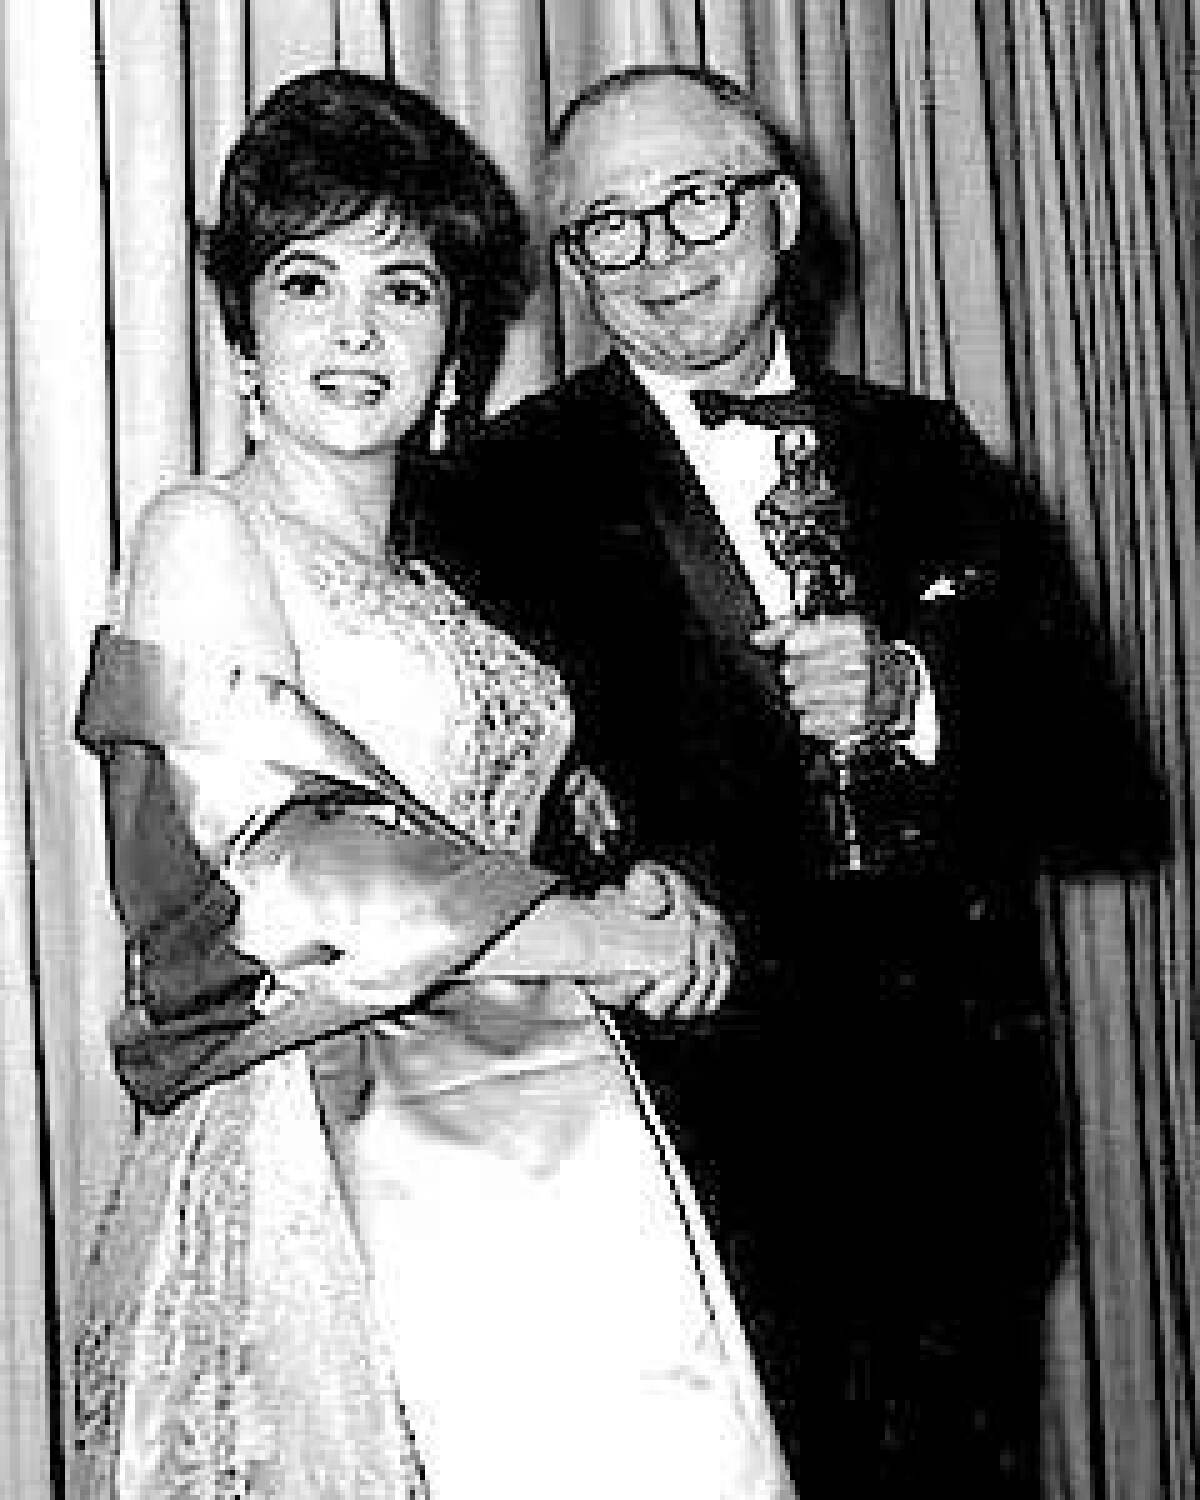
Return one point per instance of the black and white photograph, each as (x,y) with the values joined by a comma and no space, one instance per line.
(601,664)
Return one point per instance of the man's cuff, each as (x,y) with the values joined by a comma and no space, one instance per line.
(920,739)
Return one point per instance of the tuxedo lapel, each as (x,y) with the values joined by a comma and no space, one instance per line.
(711,572)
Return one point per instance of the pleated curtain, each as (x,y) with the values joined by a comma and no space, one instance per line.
(1019,177)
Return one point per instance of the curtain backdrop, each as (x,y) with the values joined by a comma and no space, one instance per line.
(1019,177)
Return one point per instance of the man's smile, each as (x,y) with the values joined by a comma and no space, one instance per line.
(671,300)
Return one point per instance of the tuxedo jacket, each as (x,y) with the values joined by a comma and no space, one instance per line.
(578,523)
(868,1009)
(871,1121)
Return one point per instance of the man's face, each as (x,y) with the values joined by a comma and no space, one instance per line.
(683,308)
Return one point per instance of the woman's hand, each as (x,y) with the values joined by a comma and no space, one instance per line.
(697,986)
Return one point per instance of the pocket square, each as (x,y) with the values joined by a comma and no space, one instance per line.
(947,586)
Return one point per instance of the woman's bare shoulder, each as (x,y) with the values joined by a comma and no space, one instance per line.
(194,509)
(196,570)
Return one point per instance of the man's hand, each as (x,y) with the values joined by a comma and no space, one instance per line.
(825,664)
(698,986)
(840,678)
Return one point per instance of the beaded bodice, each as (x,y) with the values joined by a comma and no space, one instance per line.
(454,708)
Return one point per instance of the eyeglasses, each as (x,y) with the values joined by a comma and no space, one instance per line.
(698,214)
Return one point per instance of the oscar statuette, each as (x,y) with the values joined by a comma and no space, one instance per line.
(803,523)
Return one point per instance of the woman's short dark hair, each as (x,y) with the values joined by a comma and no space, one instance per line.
(328,148)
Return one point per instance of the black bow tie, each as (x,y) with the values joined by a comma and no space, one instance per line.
(791,409)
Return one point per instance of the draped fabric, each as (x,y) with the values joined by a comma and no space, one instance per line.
(1018,179)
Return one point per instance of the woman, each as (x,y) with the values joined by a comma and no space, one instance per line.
(400,1220)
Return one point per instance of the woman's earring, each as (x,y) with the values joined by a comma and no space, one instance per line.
(250,391)
(444,403)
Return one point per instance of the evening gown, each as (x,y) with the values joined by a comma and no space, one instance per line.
(486,1275)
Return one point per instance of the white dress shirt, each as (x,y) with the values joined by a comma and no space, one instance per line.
(736,463)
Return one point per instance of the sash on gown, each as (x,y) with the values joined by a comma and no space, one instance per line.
(340,897)
(206,1006)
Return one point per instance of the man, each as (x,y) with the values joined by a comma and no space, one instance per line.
(869,1119)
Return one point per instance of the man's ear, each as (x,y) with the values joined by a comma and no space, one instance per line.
(570,269)
(789,208)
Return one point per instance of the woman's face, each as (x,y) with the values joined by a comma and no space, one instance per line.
(350,329)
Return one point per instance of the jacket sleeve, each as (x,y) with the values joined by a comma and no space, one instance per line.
(1044,758)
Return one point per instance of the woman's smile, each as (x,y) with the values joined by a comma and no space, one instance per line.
(352,387)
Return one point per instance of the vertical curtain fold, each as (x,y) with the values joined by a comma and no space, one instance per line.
(362,36)
(880,214)
(806,61)
(58,428)
(154,348)
(414,34)
(25,1465)
(969,303)
(928,371)
(1099,296)
(287,37)
(491,81)
(217,65)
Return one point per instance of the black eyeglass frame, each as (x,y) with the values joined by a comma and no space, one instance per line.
(733,185)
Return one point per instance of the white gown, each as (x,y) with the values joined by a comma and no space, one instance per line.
(492,1279)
